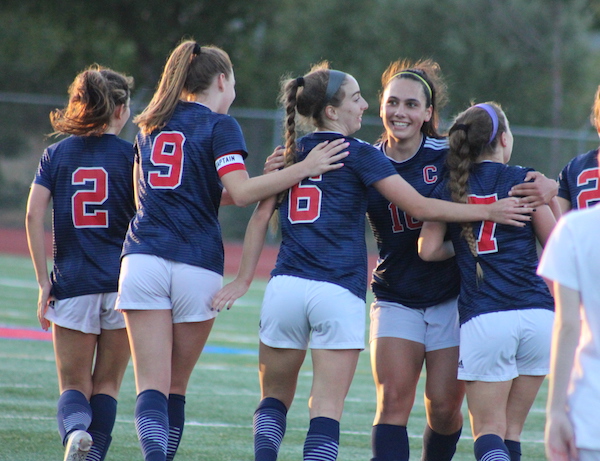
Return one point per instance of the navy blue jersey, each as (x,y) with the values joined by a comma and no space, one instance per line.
(90,179)
(323,218)
(578,181)
(179,190)
(507,254)
(401,276)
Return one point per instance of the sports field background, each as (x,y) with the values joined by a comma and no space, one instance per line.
(223,391)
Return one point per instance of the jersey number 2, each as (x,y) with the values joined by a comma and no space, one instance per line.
(486,241)
(98,179)
(305,202)
(590,195)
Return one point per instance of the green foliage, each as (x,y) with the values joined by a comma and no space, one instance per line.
(538,58)
(522,53)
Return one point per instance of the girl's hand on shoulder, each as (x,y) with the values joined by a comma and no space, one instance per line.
(227,295)
(275,161)
(536,190)
(324,156)
(510,211)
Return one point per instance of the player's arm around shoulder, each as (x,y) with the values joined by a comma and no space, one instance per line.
(543,220)
(431,243)
(244,190)
(253,245)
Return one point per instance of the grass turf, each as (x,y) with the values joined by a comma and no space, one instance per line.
(222,396)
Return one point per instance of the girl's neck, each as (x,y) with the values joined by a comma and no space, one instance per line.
(496,156)
(333,128)
(401,150)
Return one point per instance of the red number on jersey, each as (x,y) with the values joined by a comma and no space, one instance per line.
(397,226)
(167,150)
(98,178)
(486,242)
(591,194)
(305,202)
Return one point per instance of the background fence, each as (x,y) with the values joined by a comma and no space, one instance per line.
(24,129)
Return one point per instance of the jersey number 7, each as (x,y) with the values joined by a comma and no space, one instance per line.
(486,241)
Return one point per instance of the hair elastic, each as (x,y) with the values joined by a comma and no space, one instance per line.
(336,78)
(197,49)
(414,74)
(492,112)
(300,81)
(459,126)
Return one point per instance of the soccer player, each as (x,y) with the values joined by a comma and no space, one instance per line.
(316,298)
(571,261)
(88,177)
(188,148)
(579,186)
(414,318)
(505,309)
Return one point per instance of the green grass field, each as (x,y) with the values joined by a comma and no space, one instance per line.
(221,399)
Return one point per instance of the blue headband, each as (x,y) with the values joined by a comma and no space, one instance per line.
(490,110)
(336,78)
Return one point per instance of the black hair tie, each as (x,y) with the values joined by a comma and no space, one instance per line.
(300,81)
(197,49)
(459,126)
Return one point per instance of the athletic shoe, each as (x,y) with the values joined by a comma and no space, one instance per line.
(78,446)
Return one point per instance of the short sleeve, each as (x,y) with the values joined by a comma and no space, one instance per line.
(228,138)
(43,175)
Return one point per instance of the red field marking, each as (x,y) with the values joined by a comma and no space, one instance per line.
(25,333)
(14,241)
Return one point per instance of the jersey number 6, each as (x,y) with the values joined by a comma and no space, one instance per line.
(305,202)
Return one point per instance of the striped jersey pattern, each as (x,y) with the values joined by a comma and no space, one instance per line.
(507,254)
(323,218)
(401,276)
(179,188)
(90,179)
(579,181)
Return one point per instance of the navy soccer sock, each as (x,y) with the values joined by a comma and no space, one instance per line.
(323,440)
(104,413)
(74,413)
(152,424)
(490,447)
(176,423)
(389,443)
(514,448)
(439,447)
(269,428)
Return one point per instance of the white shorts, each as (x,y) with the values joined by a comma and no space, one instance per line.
(87,313)
(499,346)
(299,313)
(437,327)
(149,282)
(588,455)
